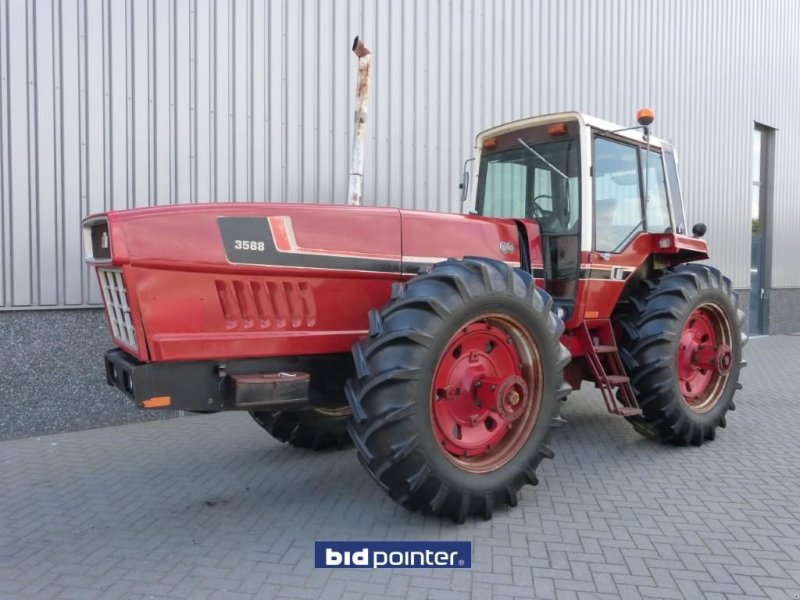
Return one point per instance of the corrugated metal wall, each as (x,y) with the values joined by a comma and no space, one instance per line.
(123,103)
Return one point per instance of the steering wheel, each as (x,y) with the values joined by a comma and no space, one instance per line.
(538,211)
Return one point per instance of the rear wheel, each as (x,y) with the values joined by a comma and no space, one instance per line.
(315,428)
(681,345)
(456,388)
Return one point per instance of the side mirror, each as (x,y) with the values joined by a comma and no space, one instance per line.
(464,185)
(699,230)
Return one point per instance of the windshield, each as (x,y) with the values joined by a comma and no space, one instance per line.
(533,181)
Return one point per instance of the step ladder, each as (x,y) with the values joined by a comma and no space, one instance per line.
(596,337)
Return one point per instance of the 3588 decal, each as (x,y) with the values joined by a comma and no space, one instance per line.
(248,245)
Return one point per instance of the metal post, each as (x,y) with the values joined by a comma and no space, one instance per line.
(360,125)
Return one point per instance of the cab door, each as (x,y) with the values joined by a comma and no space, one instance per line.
(623,215)
(536,180)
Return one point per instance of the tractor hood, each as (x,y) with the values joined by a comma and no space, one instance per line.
(203,282)
(290,237)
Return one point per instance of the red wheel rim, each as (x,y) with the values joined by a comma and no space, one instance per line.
(705,357)
(486,393)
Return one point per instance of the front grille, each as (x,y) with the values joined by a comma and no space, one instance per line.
(117,306)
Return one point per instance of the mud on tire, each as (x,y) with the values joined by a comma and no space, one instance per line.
(397,430)
(674,318)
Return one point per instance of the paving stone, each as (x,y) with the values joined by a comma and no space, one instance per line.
(212,507)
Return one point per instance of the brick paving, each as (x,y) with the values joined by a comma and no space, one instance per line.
(212,507)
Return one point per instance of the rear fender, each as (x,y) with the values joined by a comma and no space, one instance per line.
(429,238)
(677,249)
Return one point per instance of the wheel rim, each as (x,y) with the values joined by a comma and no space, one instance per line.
(486,394)
(705,357)
(342,411)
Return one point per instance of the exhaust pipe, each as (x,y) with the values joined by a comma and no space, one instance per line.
(360,125)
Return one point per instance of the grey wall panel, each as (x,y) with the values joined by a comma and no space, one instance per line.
(140,107)
(19,143)
(125,103)
(180,105)
(201,73)
(5,194)
(162,83)
(72,99)
(45,159)
(94,117)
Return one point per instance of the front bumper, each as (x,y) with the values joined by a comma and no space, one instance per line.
(288,383)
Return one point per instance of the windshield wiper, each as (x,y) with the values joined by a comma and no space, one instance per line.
(543,159)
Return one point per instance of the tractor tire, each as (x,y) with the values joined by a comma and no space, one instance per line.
(681,345)
(315,428)
(473,324)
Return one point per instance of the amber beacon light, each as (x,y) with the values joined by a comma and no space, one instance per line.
(645,116)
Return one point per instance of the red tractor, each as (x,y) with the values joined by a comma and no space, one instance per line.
(442,345)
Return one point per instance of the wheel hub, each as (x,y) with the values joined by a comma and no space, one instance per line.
(480,394)
(511,398)
(705,357)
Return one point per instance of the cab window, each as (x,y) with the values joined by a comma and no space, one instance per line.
(617,193)
(506,189)
(533,181)
(670,163)
(657,207)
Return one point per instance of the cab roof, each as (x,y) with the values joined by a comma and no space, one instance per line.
(582,118)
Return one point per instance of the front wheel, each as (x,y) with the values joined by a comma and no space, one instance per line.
(314,428)
(681,344)
(456,388)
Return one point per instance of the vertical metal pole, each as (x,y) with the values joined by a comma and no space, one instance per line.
(360,125)
(646,171)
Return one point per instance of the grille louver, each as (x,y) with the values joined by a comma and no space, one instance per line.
(117,306)
(267,305)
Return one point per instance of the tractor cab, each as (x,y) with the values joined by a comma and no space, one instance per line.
(600,194)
